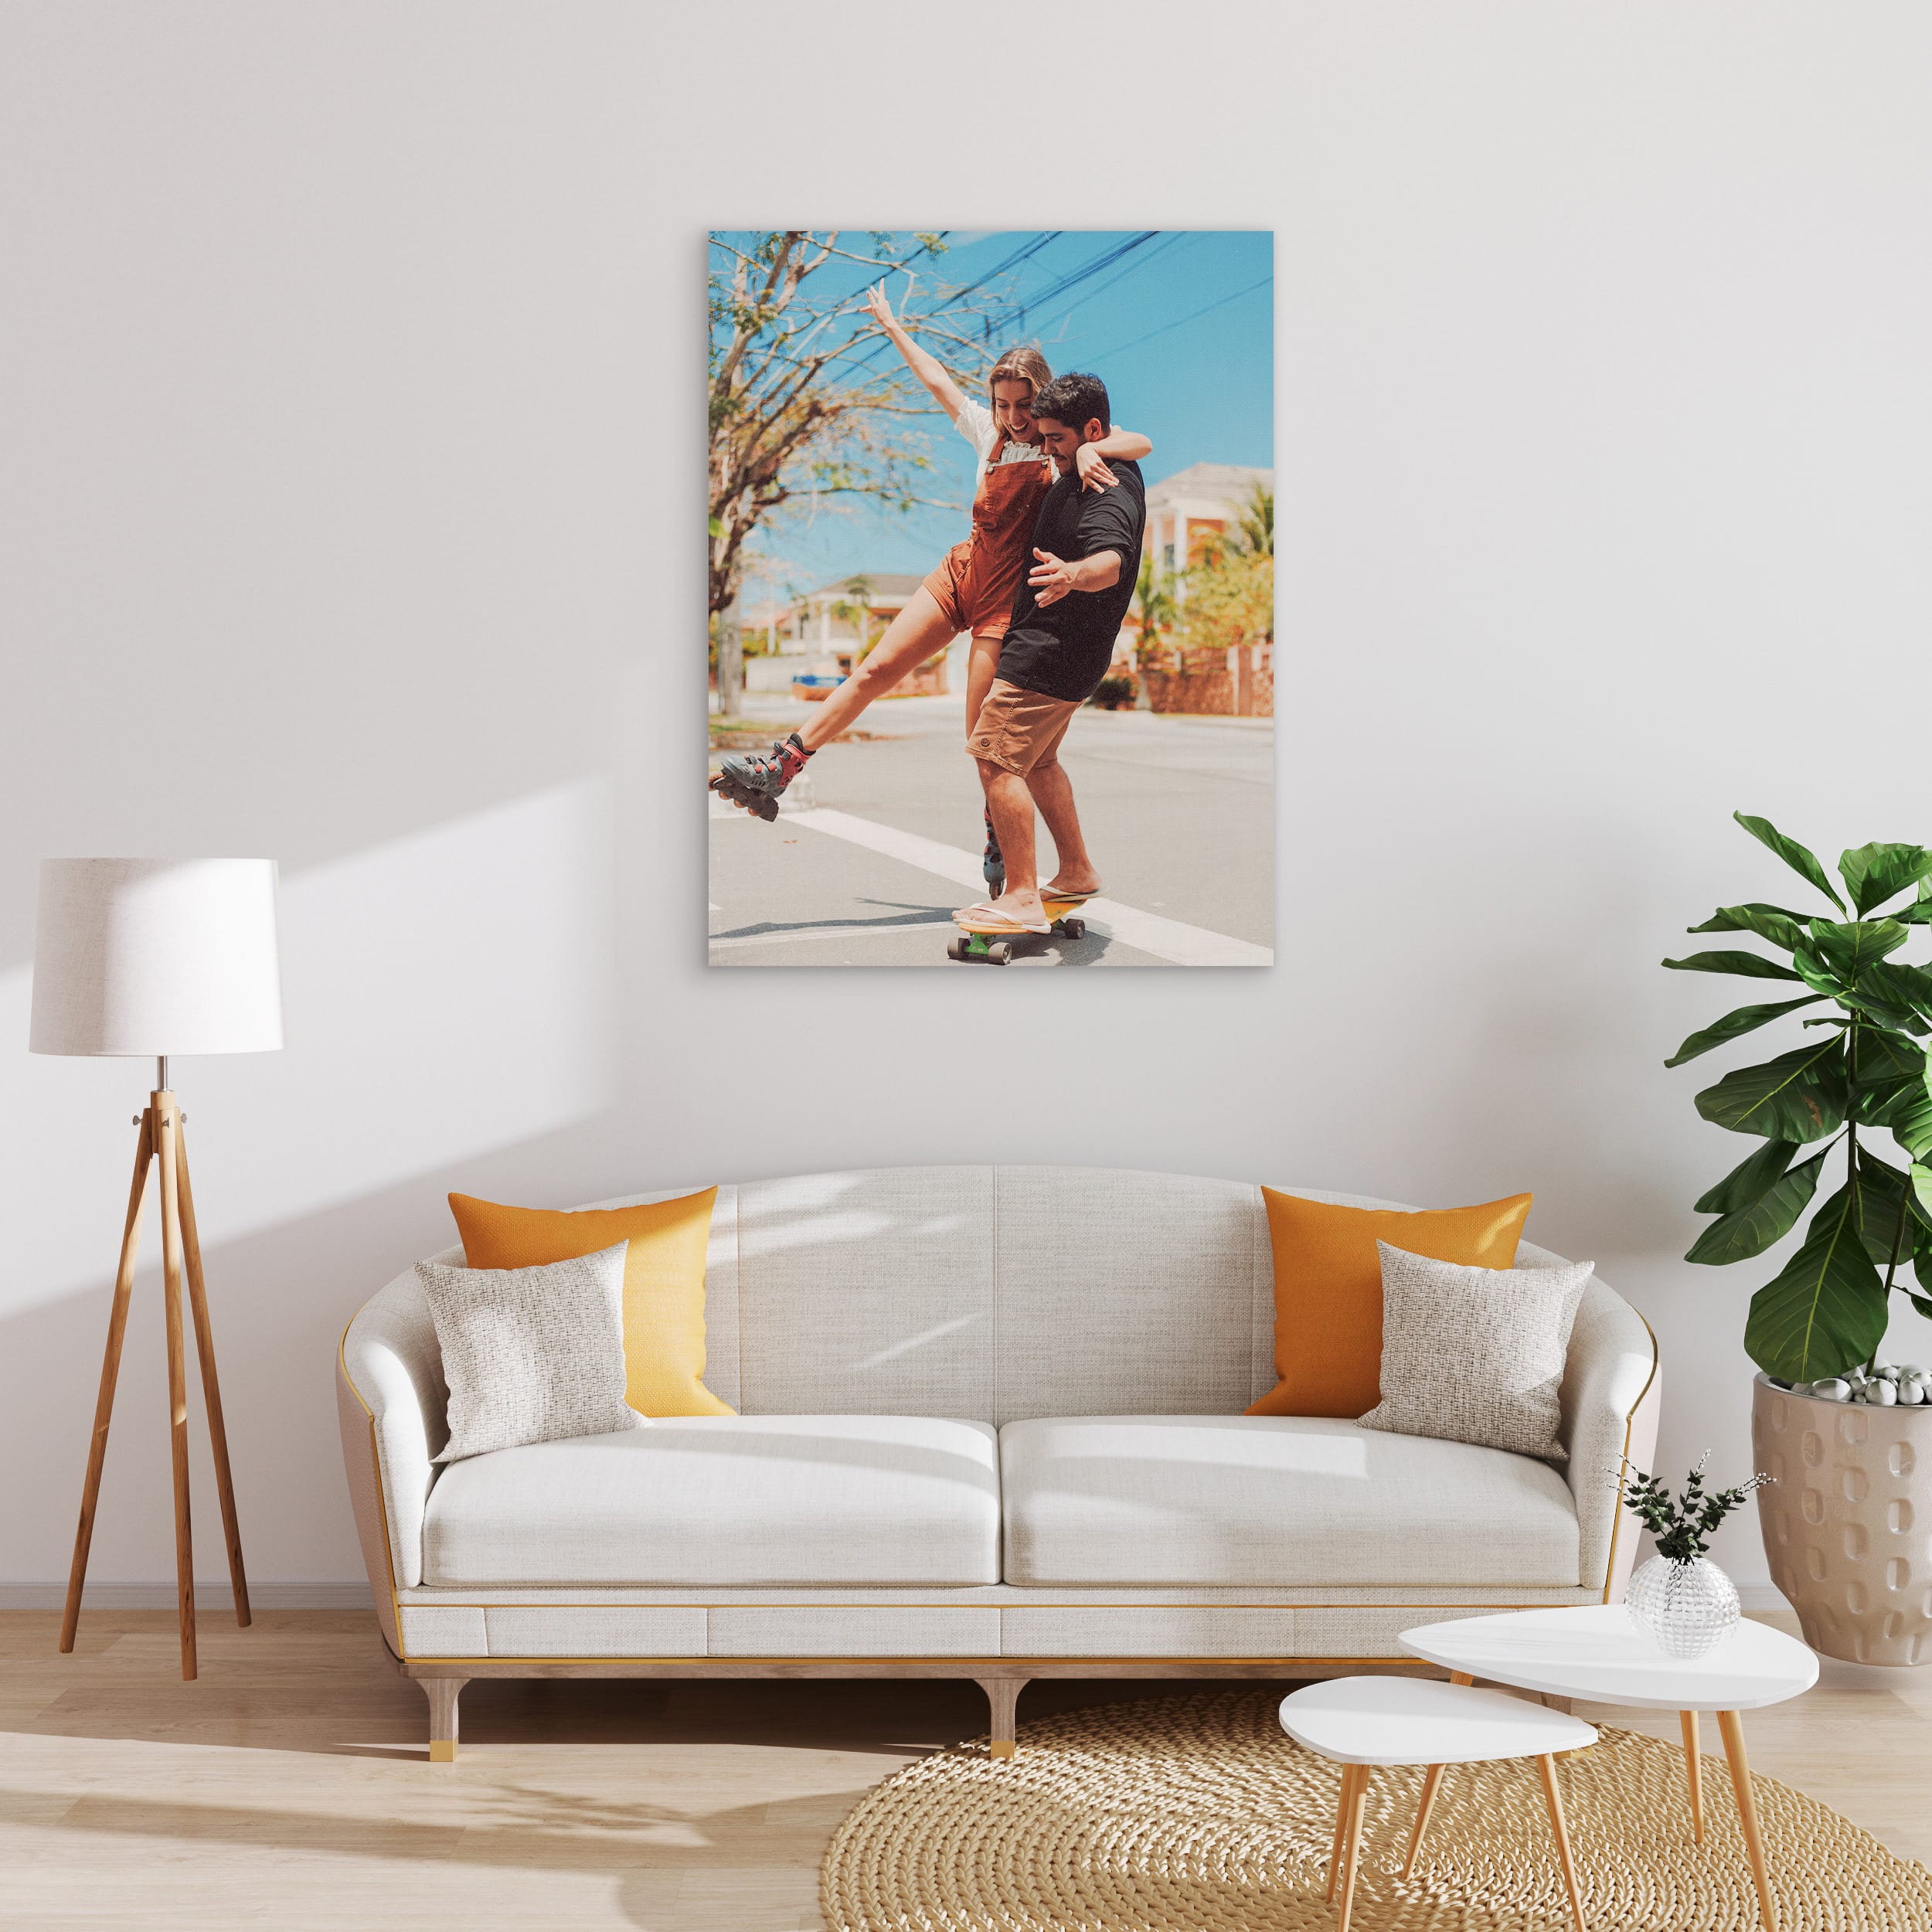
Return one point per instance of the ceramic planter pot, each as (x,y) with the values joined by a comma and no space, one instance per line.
(1847,1524)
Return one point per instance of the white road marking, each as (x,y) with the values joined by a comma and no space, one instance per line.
(1168,939)
(833,932)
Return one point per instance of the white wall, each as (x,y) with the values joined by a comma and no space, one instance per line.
(349,466)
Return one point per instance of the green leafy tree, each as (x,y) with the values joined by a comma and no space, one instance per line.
(1156,605)
(854,608)
(1861,1077)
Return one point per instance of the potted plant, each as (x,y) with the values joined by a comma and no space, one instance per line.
(1686,1604)
(1848,1440)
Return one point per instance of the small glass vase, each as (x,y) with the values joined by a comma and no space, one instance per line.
(1685,1608)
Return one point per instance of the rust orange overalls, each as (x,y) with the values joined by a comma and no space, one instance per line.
(977,580)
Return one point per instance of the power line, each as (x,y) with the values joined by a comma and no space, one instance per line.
(1263,283)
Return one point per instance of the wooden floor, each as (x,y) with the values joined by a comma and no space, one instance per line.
(290,1786)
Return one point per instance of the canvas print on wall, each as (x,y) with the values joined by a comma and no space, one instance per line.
(992,542)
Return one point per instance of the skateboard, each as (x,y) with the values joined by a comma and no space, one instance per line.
(998,946)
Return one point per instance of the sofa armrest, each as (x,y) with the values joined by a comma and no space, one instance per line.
(393,1406)
(1611,1389)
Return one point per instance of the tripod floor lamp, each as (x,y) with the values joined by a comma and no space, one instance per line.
(151,958)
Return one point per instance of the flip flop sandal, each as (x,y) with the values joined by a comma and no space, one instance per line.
(988,918)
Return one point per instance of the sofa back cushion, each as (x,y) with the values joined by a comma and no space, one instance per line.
(991,1294)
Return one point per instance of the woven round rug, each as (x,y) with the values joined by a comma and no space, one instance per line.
(1198,1814)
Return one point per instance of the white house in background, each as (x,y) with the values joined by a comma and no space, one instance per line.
(1185,509)
(794,635)
(810,625)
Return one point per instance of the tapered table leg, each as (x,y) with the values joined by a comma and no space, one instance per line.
(109,1374)
(1553,1797)
(167,1158)
(1346,1798)
(210,1384)
(1733,1733)
(1424,1805)
(1352,1846)
(1693,1773)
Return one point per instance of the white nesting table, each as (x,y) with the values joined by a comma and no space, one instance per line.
(1362,1722)
(1595,1652)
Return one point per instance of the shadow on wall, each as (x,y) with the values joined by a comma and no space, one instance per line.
(447,995)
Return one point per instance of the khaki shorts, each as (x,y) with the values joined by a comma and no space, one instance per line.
(1020,730)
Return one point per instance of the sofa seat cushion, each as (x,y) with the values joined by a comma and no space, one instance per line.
(1286,1500)
(732,1500)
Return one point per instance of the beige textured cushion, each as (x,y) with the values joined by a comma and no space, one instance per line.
(530,1355)
(758,1501)
(1183,1500)
(1475,1354)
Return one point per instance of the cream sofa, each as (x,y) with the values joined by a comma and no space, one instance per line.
(989,1426)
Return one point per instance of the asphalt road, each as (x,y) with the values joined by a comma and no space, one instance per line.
(879,842)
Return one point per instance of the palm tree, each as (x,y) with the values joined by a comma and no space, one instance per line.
(1254,528)
(855,609)
(1154,593)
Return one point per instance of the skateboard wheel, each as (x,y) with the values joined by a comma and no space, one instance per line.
(957,949)
(1000,951)
(1074,928)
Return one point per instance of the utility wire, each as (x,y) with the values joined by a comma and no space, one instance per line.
(1165,326)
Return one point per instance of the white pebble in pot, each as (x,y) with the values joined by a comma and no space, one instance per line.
(1833,1389)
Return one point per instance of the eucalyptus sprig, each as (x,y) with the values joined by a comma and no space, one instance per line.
(1683,1526)
(1866,1073)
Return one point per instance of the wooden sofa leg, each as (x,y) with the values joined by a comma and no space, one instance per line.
(442,1692)
(1002,1693)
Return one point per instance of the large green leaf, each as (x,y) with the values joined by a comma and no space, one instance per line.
(1748,1181)
(1747,965)
(1849,949)
(1890,993)
(1922,1266)
(1888,1075)
(1734,1026)
(1875,873)
(1910,1121)
(1878,1193)
(1802,861)
(1825,1310)
(1799,1096)
(1737,1237)
(1769,921)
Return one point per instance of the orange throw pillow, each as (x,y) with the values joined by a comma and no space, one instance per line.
(1327,1290)
(663,1282)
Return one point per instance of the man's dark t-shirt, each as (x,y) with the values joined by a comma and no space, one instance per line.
(1063,651)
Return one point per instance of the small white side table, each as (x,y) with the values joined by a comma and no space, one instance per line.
(1362,1722)
(1594,1651)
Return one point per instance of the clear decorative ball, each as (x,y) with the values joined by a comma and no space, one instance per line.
(1684,1609)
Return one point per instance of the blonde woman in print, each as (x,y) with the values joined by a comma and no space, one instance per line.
(972,588)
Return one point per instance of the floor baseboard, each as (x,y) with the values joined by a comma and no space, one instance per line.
(208,1596)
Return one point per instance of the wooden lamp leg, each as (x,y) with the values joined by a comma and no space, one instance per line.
(1693,1773)
(1733,1732)
(167,1158)
(110,1373)
(210,1384)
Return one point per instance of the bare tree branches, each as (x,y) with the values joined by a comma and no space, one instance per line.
(807,399)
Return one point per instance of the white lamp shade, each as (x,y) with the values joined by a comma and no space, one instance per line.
(147,956)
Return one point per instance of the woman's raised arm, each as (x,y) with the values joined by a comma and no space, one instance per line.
(928,368)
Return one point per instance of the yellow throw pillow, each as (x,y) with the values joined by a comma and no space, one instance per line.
(1327,1290)
(663,1282)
